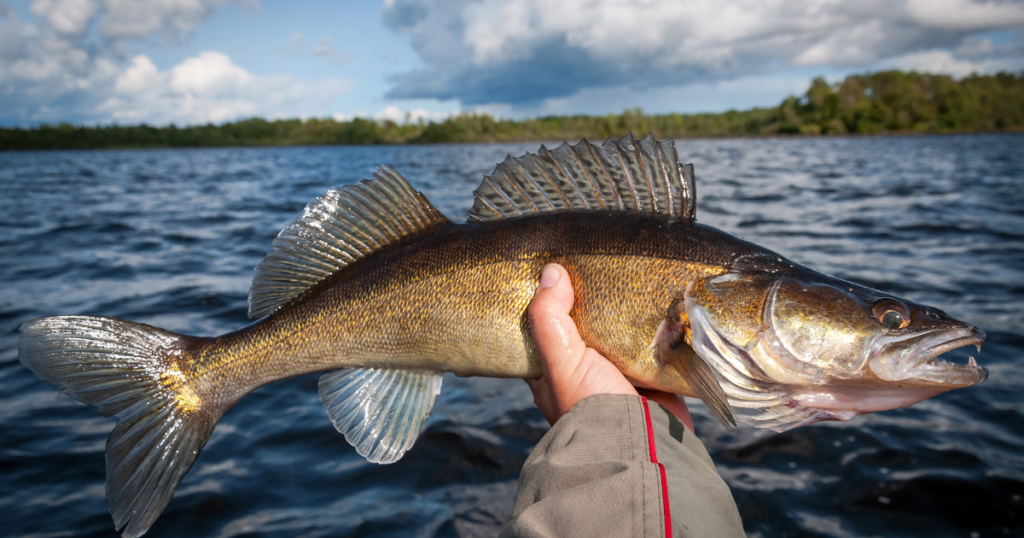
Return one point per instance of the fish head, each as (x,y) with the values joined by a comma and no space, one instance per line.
(828,329)
(793,346)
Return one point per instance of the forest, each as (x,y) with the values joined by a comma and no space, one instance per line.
(888,102)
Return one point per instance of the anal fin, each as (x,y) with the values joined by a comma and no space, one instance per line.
(379,410)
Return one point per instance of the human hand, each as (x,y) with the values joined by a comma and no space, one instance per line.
(573,371)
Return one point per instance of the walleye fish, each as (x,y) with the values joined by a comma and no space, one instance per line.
(378,289)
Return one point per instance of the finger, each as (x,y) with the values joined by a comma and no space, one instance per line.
(558,341)
(543,399)
(539,387)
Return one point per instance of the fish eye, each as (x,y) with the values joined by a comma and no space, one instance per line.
(891,313)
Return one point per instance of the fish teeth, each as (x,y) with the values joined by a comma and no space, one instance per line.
(971,363)
(978,346)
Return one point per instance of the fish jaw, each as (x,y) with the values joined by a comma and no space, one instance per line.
(915,362)
(918,376)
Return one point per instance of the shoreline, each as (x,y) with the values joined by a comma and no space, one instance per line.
(906,134)
(888,103)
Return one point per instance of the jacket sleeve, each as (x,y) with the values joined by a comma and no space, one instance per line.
(618,465)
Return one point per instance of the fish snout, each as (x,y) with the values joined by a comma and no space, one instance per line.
(922,365)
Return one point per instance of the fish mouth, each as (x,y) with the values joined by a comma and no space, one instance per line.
(919,362)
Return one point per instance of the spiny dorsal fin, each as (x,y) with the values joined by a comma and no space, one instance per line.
(344,225)
(624,175)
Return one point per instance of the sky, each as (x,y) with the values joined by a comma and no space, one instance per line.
(197,61)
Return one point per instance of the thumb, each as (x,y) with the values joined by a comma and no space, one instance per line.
(558,341)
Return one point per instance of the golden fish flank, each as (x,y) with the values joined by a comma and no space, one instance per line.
(376,288)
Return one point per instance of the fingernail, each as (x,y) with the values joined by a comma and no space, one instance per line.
(549,277)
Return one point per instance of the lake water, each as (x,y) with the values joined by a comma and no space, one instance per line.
(171,237)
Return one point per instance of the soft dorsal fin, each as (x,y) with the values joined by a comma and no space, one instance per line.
(344,225)
(643,176)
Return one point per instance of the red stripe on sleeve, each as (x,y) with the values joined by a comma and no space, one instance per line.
(654,459)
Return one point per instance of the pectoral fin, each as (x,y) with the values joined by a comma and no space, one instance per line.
(673,349)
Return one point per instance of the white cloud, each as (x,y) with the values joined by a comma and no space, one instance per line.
(349,117)
(392,113)
(209,74)
(397,115)
(74,60)
(140,76)
(525,51)
(41,65)
(619,31)
(66,16)
(325,48)
(422,114)
(52,71)
(849,46)
(171,18)
(974,47)
(130,18)
(740,93)
(711,32)
(294,43)
(209,87)
(935,61)
(965,14)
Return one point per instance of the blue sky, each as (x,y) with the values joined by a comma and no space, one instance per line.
(197,61)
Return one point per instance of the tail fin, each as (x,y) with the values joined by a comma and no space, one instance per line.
(132,371)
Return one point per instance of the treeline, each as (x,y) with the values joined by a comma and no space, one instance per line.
(884,102)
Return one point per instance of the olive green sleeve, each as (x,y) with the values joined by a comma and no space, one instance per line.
(618,465)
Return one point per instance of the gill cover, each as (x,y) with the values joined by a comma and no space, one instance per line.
(725,315)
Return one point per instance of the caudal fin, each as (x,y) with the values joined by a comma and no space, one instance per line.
(132,371)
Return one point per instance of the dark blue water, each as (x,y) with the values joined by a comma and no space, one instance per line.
(171,238)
